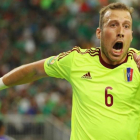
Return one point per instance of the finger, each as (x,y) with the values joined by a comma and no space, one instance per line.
(138,64)
(136,57)
(138,67)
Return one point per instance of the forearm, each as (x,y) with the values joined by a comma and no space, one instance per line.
(21,75)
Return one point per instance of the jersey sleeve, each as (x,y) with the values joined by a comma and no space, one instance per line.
(59,66)
(134,51)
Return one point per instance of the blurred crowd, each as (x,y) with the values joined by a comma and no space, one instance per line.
(31,30)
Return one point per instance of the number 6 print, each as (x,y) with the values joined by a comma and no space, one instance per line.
(107,96)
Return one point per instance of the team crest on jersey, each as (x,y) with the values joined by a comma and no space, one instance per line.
(52,60)
(128,74)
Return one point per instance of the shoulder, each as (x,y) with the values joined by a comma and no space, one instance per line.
(77,51)
(131,51)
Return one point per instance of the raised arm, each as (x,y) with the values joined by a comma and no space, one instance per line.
(25,74)
(137,60)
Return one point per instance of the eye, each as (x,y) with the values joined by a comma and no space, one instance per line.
(127,26)
(113,25)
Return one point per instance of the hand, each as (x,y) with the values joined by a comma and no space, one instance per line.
(137,60)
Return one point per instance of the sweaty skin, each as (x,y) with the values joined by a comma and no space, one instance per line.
(117,27)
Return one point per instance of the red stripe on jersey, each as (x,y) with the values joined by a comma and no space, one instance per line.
(90,51)
(131,74)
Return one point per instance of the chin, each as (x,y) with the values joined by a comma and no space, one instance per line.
(117,60)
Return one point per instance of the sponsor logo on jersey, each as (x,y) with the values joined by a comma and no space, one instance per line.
(52,60)
(128,74)
(87,76)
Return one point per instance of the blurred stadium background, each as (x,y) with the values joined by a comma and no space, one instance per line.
(31,30)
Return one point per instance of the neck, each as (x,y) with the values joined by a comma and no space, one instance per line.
(110,65)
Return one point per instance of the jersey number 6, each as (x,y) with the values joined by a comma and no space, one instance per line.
(108,97)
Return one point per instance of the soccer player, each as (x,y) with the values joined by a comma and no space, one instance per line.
(2,132)
(105,80)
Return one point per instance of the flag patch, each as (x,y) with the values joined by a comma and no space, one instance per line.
(128,74)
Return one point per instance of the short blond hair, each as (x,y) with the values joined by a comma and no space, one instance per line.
(113,6)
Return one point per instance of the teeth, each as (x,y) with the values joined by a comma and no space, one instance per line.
(117,51)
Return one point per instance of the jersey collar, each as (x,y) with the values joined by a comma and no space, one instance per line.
(109,65)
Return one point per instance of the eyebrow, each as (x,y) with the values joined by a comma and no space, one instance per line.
(114,20)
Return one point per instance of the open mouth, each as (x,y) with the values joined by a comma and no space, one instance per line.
(118,46)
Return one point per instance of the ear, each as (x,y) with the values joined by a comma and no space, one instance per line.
(98,33)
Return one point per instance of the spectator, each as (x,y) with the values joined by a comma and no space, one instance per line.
(2,132)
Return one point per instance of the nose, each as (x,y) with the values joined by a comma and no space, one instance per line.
(120,35)
(120,32)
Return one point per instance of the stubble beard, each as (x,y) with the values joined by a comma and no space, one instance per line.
(108,56)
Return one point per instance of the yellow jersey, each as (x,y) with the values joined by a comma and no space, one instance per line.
(106,98)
